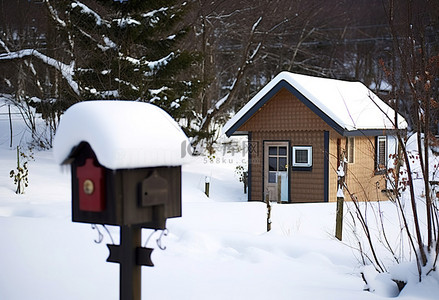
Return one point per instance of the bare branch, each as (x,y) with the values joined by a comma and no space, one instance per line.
(66,71)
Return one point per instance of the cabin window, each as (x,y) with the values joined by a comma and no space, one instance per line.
(302,156)
(381,153)
(277,161)
(350,150)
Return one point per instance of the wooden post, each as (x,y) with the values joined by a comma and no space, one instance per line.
(10,125)
(245,180)
(339,219)
(279,188)
(206,186)
(131,257)
(341,172)
(267,200)
(130,271)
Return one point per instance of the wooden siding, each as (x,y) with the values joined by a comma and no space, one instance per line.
(272,123)
(285,118)
(308,186)
(283,113)
(361,178)
(257,162)
(305,186)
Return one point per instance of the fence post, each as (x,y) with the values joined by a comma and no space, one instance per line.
(267,200)
(341,172)
(10,124)
(279,188)
(339,219)
(245,180)
(206,186)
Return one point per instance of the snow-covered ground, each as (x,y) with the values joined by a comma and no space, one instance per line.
(218,249)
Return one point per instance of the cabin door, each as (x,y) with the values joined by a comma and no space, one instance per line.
(276,171)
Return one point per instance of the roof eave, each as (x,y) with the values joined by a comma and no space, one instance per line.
(371,132)
(236,133)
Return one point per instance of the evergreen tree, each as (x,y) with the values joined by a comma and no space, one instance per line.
(130,50)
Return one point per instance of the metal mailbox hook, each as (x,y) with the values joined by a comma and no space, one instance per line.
(100,235)
(159,240)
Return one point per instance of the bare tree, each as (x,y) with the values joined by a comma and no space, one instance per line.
(413,73)
(246,43)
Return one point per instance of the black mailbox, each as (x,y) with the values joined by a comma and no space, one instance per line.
(139,196)
(138,181)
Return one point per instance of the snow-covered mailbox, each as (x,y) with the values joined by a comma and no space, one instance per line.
(125,162)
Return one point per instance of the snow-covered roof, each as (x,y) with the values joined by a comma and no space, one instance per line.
(345,105)
(123,134)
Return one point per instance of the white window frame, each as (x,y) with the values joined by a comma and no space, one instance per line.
(302,165)
(380,139)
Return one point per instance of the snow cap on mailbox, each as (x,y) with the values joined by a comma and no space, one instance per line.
(122,134)
(125,162)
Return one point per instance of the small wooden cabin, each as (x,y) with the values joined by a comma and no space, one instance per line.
(299,127)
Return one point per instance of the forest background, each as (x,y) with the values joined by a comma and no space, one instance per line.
(203,60)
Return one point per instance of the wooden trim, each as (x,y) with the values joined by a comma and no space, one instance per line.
(369,132)
(289,162)
(326,166)
(263,170)
(249,169)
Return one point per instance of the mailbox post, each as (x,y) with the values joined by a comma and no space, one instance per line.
(127,256)
(125,160)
